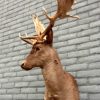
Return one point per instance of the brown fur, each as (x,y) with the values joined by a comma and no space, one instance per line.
(60,85)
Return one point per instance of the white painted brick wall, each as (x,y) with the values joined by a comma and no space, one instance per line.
(77,42)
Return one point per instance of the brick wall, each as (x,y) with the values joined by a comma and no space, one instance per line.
(77,42)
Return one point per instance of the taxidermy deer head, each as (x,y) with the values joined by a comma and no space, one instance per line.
(42,51)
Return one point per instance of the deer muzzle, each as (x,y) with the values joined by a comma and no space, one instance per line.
(25,67)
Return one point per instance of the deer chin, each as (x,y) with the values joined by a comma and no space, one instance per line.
(26,67)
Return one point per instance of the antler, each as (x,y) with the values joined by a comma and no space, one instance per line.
(64,6)
(39,28)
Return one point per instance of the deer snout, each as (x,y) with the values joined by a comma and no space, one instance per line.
(24,66)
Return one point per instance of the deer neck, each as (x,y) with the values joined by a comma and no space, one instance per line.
(53,75)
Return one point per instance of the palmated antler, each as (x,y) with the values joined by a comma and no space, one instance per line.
(64,6)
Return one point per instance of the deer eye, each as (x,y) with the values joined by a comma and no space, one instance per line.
(37,48)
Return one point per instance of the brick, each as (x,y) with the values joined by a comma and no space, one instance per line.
(95,50)
(60,44)
(8,85)
(19,96)
(95,65)
(35,96)
(78,53)
(11,64)
(77,67)
(94,96)
(87,45)
(90,32)
(89,73)
(68,61)
(92,58)
(13,74)
(21,84)
(78,40)
(5,97)
(78,28)
(66,49)
(87,8)
(84,96)
(13,91)
(4,80)
(30,78)
(81,4)
(83,15)
(22,73)
(82,81)
(15,79)
(1,75)
(28,90)
(4,70)
(94,81)
(63,56)
(95,36)
(40,77)
(92,1)
(90,89)
(60,32)
(40,90)
(94,12)
(13,44)
(66,37)
(2,65)
(95,24)
(2,91)
(36,84)
(36,71)
(88,19)
(68,25)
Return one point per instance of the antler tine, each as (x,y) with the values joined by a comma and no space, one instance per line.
(45,12)
(19,35)
(51,18)
(39,27)
(26,34)
(27,37)
(30,40)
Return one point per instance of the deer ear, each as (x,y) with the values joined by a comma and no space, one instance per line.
(49,38)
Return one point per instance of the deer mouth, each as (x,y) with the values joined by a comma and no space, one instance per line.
(25,67)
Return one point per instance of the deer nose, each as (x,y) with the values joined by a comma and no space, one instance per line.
(22,65)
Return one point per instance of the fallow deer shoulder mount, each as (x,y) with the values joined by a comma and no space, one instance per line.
(60,85)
